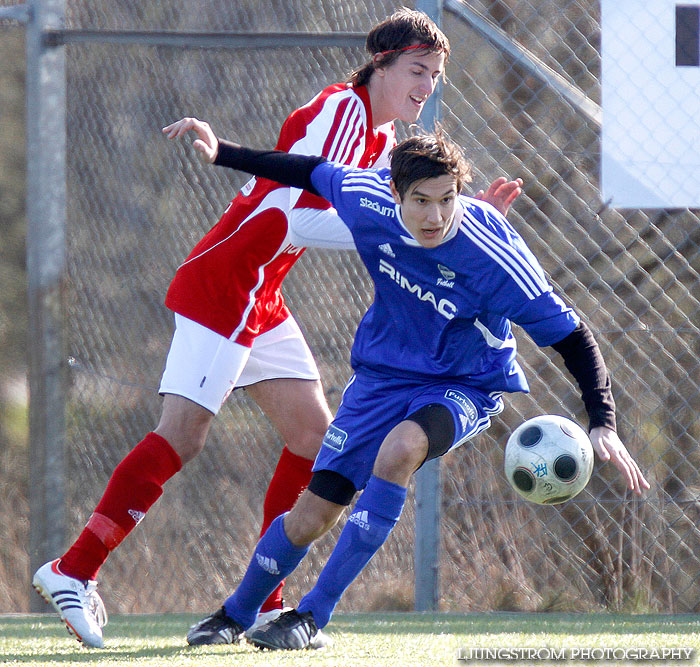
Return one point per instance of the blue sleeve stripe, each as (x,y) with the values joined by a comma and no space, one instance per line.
(375,193)
(530,281)
(533,270)
(369,178)
(369,183)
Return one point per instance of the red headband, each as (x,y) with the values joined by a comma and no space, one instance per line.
(405,48)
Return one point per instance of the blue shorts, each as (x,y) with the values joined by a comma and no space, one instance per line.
(371,407)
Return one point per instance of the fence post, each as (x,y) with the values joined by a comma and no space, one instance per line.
(428,496)
(46,234)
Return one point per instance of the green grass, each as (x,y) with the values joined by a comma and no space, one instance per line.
(390,640)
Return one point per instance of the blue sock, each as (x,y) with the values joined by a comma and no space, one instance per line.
(273,559)
(367,528)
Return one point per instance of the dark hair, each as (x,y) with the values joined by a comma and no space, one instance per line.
(405,27)
(428,156)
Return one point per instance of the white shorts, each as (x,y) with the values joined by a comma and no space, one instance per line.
(205,367)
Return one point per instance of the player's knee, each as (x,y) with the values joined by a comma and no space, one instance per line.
(402,453)
(307,437)
(186,449)
(437,423)
(186,446)
(185,426)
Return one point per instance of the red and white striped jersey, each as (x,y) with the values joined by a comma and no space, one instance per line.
(231,280)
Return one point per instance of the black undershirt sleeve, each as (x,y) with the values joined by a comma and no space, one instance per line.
(285,168)
(584,361)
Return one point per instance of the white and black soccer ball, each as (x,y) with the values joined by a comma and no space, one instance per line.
(548,459)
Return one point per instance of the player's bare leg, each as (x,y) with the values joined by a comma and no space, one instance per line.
(311,518)
(403,451)
(298,409)
(185,425)
(368,526)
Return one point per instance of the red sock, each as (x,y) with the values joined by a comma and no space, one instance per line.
(291,477)
(136,483)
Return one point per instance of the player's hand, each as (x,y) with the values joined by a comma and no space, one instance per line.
(501,193)
(206,144)
(609,447)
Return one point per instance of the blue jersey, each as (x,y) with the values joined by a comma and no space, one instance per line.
(443,312)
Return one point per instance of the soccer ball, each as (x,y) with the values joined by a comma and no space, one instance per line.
(548,459)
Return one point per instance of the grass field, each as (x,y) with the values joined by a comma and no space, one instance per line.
(359,639)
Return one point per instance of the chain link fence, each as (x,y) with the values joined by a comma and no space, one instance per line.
(634,277)
(137,204)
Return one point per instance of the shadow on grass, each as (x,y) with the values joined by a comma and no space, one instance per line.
(97,656)
(35,630)
(515,622)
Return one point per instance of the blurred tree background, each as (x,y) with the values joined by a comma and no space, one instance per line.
(13,316)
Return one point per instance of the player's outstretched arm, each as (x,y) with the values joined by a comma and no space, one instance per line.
(584,361)
(206,144)
(501,193)
(609,447)
(285,168)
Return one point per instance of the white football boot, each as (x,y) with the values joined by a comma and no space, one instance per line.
(77,603)
(265,617)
